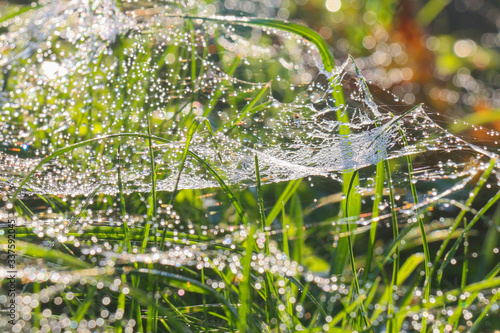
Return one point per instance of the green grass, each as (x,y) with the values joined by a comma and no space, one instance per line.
(261,257)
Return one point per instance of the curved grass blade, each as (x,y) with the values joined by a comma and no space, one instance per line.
(294,28)
(350,247)
(482,180)
(302,289)
(227,190)
(250,106)
(21,11)
(188,284)
(477,322)
(287,193)
(245,294)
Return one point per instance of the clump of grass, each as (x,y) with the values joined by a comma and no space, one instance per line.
(147,260)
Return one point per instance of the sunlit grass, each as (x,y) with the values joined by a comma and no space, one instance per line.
(152,248)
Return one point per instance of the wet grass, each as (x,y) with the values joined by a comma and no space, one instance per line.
(355,277)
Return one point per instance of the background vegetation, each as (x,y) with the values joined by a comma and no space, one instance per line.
(135,243)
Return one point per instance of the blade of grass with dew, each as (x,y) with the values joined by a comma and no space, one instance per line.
(349,309)
(375,314)
(285,226)
(193,56)
(448,296)
(37,310)
(305,32)
(62,259)
(340,252)
(268,287)
(123,208)
(395,235)
(384,298)
(19,12)
(191,131)
(350,321)
(204,300)
(286,250)
(409,267)
(475,119)
(208,126)
(492,301)
(350,246)
(379,190)
(287,193)
(388,253)
(151,206)
(479,214)
(218,92)
(189,285)
(448,258)
(370,295)
(269,281)
(152,321)
(465,268)
(306,293)
(136,234)
(174,308)
(408,297)
(25,209)
(259,193)
(425,244)
(84,307)
(298,220)
(245,294)
(490,243)
(147,301)
(227,190)
(455,317)
(250,105)
(482,180)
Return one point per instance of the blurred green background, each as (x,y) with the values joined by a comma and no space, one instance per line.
(440,52)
